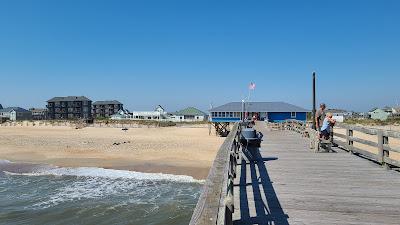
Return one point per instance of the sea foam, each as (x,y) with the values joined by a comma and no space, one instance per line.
(4,161)
(108,173)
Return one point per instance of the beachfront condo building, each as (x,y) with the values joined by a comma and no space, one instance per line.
(69,108)
(105,109)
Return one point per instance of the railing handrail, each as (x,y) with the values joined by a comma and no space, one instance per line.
(382,144)
(215,205)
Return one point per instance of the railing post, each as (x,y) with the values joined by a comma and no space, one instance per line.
(380,148)
(385,152)
(229,206)
(382,153)
(349,134)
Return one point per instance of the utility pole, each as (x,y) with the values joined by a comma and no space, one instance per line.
(314,111)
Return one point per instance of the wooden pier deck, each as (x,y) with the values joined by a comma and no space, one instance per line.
(290,184)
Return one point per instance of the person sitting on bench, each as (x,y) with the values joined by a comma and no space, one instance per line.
(326,126)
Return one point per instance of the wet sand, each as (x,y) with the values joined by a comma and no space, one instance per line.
(173,150)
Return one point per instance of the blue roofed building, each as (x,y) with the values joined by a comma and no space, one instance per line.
(268,111)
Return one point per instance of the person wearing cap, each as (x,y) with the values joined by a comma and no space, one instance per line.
(320,116)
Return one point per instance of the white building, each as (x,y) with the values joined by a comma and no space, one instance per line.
(15,113)
(122,114)
(396,112)
(158,114)
(189,114)
(340,115)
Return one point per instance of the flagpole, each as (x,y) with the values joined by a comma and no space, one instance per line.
(243,106)
(251,87)
(246,106)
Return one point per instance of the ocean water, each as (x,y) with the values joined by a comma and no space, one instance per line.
(39,194)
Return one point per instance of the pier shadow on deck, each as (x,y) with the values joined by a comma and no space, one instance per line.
(263,207)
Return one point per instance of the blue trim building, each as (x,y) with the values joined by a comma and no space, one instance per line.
(268,111)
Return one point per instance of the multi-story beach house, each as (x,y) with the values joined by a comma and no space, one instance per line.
(105,109)
(38,114)
(158,114)
(70,107)
(15,113)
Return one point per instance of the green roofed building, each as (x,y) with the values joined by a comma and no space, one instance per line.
(189,114)
(379,114)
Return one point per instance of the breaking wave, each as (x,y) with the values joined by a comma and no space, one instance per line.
(108,173)
(95,194)
(44,170)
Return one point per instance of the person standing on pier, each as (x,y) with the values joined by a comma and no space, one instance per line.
(320,116)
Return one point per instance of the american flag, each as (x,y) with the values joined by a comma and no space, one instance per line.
(252,86)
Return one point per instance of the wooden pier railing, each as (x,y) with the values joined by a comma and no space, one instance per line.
(382,145)
(347,143)
(215,205)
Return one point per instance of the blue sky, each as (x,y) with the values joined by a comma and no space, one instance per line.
(192,53)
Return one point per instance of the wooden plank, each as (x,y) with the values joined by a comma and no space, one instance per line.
(392,149)
(362,141)
(392,134)
(357,150)
(365,153)
(365,130)
(295,186)
(340,135)
(371,131)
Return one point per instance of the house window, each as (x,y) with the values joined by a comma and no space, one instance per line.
(293,115)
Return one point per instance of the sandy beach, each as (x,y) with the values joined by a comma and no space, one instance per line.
(174,150)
